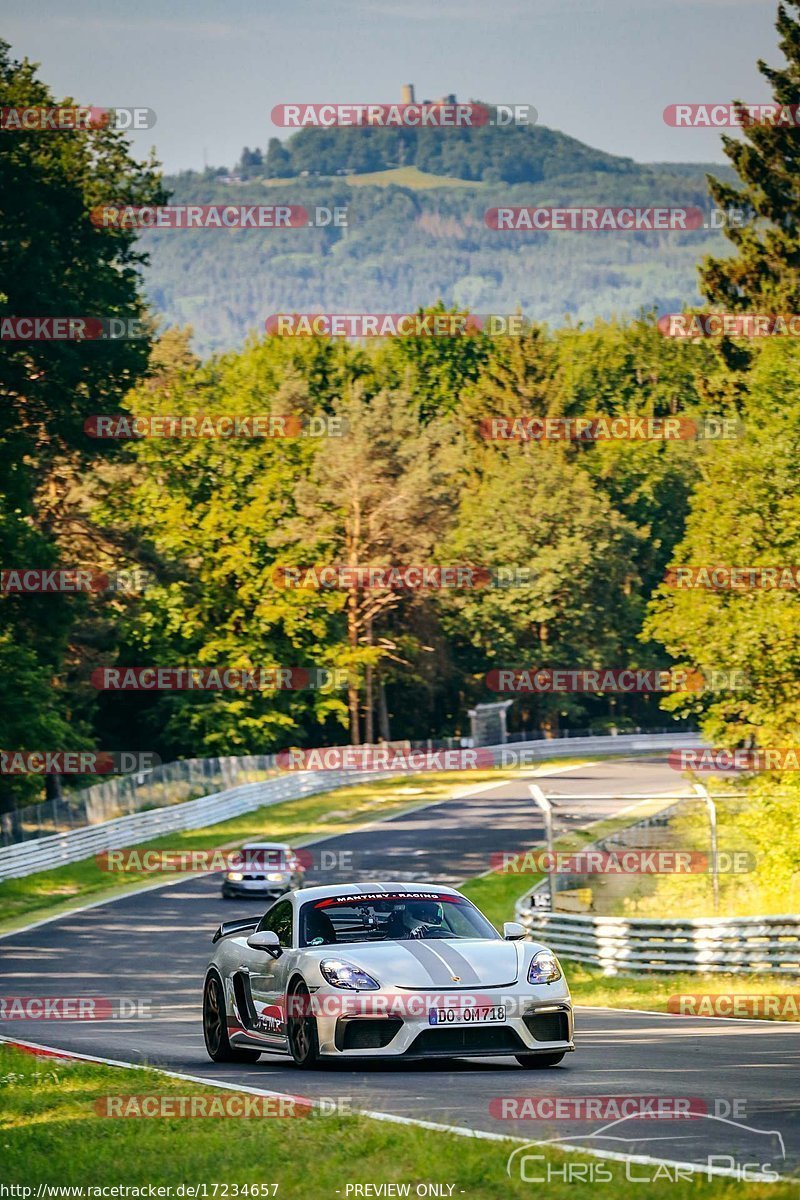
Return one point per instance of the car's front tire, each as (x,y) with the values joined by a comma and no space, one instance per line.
(301,1029)
(536,1061)
(215,1026)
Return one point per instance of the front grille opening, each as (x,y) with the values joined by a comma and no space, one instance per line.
(469,1040)
(548,1027)
(366,1034)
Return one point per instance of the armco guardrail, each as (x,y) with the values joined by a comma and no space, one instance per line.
(733,945)
(54,850)
(41,854)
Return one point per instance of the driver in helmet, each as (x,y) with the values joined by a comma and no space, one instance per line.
(421,916)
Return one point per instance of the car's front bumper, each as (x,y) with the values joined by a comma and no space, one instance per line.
(536,1022)
(256,888)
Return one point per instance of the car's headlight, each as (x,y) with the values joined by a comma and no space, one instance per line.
(276,877)
(544,967)
(345,975)
(234,876)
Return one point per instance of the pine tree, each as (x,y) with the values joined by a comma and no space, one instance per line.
(764,274)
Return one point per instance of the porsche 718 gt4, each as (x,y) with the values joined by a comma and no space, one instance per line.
(387,970)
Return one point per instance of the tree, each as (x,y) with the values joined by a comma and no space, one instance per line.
(212,512)
(764,274)
(277,161)
(744,512)
(250,164)
(580,606)
(433,370)
(378,499)
(55,262)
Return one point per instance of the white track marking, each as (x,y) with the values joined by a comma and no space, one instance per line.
(653,1012)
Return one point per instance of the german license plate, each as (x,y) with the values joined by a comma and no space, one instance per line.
(476,1015)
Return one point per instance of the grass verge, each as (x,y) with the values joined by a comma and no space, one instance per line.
(51,1134)
(652,992)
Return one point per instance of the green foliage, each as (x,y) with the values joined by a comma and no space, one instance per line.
(744,512)
(763,274)
(536,510)
(410,483)
(514,154)
(55,262)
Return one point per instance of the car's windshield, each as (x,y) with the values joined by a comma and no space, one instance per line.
(394,916)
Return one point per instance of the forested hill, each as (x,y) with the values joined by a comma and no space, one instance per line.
(416,232)
(523,154)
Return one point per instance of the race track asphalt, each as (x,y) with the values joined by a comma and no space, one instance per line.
(154,946)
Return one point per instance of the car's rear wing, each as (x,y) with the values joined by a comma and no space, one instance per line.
(240,926)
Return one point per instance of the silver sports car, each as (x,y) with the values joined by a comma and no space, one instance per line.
(388,970)
(263,869)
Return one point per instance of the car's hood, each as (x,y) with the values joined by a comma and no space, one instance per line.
(438,963)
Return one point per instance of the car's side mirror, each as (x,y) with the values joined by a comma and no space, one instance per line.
(513,931)
(266,940)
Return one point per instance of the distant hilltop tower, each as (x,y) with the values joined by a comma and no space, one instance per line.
(407,96)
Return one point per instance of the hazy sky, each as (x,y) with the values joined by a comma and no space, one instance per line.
(212,71)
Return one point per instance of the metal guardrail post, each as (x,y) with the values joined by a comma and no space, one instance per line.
(705,796)
(544,804)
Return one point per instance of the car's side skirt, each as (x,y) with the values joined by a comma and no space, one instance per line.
(246,1033)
